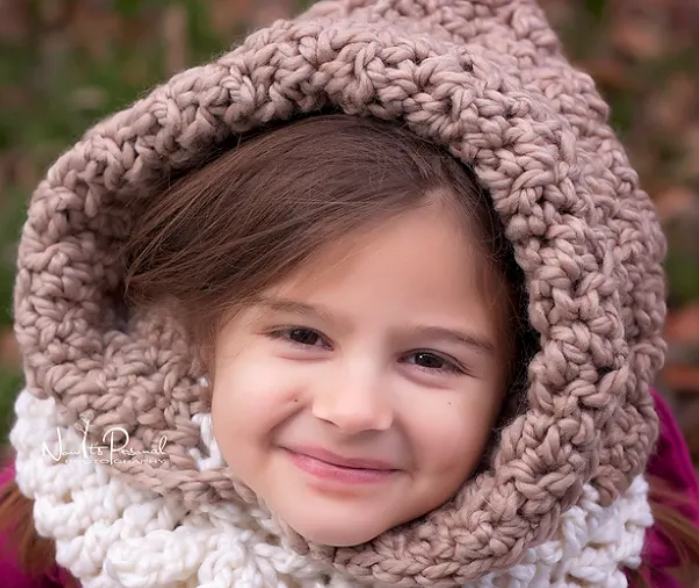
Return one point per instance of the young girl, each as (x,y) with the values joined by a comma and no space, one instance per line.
(374,299)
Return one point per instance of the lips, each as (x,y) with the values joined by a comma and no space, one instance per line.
(358,463)
(323,465)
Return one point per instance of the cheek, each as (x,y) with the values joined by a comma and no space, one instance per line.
(240,411)
(451,433)
(250,398)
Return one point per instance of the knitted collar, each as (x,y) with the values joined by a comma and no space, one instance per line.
(111,535)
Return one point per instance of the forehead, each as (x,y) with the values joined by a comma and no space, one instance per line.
(418,264)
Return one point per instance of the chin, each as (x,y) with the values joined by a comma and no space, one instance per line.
(338,535)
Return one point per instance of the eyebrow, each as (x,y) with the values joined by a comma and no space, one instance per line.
(478,343)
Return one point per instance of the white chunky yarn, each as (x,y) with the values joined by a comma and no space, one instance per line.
(110,535)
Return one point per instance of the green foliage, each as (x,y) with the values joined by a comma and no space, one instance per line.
(10,383)
(128,8)
(682,271)
(10,224)
(596,8)
(203,41)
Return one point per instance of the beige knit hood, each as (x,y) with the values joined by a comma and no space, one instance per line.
(485,79)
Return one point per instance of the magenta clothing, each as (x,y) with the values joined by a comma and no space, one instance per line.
(670,462)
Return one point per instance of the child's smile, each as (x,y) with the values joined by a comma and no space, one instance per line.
(360,394)
(326,465)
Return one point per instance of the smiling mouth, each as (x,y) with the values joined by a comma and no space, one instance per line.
(325,465)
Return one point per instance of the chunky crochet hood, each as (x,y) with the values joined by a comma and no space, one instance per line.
(484,79)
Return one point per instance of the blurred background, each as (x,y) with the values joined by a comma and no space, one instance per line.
(66,63)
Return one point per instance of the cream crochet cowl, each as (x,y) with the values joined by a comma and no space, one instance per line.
(487,81)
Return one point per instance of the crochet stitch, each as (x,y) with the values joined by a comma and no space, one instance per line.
(485,79)
(114,536)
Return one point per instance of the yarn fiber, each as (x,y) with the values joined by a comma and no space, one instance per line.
(112,535)
(487,81)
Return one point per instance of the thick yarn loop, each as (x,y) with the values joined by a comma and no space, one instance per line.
(487,81)
(110,534)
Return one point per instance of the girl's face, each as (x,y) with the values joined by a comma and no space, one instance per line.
(360,393)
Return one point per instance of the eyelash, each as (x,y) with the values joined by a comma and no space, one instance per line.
(451,367)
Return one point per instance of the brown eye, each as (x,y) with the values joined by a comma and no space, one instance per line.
(298,336)
(431,362)
(428,360)
(303,336)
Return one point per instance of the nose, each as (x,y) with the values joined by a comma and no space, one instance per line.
(355,401)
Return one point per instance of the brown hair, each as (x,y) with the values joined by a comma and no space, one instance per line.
(257,210)
(32,553)
(677,529)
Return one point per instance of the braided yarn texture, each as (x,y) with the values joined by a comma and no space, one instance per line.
(111,535)
(487,81)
